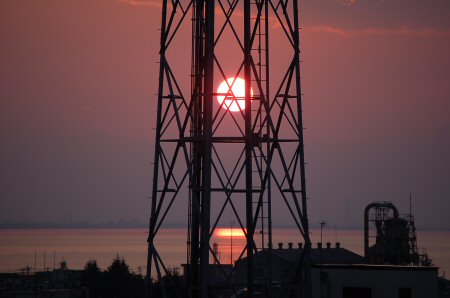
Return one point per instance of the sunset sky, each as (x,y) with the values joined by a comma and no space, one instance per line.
(78,106)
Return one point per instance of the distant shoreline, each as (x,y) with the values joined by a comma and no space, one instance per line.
(12,226)
(138,225)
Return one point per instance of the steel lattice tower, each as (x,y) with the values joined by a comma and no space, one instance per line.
(247,165)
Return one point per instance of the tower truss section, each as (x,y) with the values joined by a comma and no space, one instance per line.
(228,158)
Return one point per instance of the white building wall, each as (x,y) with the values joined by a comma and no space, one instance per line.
(385,283)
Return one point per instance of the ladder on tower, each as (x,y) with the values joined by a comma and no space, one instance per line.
(263,227)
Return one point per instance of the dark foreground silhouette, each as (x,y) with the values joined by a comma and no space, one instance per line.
(116,282)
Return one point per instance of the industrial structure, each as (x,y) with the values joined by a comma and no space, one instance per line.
(395,239)
(233,154)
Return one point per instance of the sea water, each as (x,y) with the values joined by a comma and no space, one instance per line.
(44,249)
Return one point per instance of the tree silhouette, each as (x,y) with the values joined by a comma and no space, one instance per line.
(117,281)
(92,278)
(91,268)
(120,282)
(118,270)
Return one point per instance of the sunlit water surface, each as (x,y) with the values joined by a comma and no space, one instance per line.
(48,247)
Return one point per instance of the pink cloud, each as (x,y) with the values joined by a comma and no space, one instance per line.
(351,2)
(346,2)
(151,3)
(402,31)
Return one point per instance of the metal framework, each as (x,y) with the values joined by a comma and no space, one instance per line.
(218,165)
(395,240)
(383,211)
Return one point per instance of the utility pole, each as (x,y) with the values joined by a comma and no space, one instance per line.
(322,224)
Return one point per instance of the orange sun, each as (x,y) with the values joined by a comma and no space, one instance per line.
(235,96)
(228,232)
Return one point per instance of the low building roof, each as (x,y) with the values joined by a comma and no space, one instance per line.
(377,267)
(329,255)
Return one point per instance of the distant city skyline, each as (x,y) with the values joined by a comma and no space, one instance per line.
(77,109)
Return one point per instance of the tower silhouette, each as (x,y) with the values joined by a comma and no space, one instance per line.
(215,163)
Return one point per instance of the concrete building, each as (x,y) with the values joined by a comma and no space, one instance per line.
(374,281)
(340,273)
(283,259)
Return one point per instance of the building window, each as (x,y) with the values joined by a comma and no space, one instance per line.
(352,292)
(404,293)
